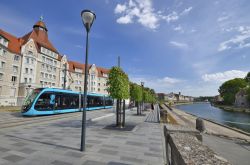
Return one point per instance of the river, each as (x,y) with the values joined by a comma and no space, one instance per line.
(205,110)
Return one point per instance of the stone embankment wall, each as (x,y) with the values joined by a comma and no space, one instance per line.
(183,147)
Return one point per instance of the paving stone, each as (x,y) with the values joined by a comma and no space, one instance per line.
(74,154)
(109,152)
(94,141)
(134,143)
(131,159)
(152,155)
(4,149)
(117,163)
(27,150)
(58,162)
(20,144)
(110,146)
(13,158)
(91,162)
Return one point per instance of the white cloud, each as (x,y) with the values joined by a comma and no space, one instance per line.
(159,84)
(171,17)
(186,11)
(142,11)
(223,18)
(169,80)
(120,8)
(139,10)
(241,40)
(224,76)
(124,20)
(179,44)
(178,28)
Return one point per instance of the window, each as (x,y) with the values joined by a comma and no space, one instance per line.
(16,58)
(45,102)
(4,52)
(30,53)
(13,79)
(42,66)
(43,59)
(25,80)
(27,60)
(2,65)
(99,84)
(98,89)
(54,77)
(1,76)
(53,84)
(42,74)
(15,69)
(26,70)
(12,92)
(31,71)
(54,69)
(32,61)
(30,80)
(46,75)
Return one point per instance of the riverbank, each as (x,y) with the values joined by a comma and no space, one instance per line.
(232,108)
(215,128)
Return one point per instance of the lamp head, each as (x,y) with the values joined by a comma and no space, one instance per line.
(88,18)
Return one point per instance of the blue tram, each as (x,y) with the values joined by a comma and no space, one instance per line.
(48,101)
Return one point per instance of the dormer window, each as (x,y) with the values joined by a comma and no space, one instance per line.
(3,41)
(30,53)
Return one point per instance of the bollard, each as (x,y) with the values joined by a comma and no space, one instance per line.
(200,125)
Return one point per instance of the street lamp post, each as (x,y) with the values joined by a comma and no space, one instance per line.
(88,18)
(142,86)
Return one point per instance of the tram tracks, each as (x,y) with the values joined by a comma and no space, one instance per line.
(34,120)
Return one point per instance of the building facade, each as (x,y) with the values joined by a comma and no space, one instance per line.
(174,97)
(32,61)
(241,99)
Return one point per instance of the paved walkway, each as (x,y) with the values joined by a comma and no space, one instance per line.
(57,142)
(235,151)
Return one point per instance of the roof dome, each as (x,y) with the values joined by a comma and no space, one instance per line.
(40,24)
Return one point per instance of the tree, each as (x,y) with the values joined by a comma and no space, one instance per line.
(136,94)
(229,88)
(118,88)
(247,78)
(248,94)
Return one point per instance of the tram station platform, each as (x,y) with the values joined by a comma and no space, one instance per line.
(57,142)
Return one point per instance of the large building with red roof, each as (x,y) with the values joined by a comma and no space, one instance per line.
(32,61)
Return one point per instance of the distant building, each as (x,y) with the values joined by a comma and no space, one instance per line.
(32,61)
(241,99)
(218,99)
(174,97)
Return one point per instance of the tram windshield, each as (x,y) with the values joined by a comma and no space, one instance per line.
(30,98)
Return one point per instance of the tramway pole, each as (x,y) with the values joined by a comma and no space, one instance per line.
(88,18)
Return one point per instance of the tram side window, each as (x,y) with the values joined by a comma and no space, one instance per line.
(44,102)
(99,101)
(66,101)
(74,101)
(90,101)
(108,101)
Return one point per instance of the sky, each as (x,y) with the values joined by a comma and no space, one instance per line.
(187,46)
